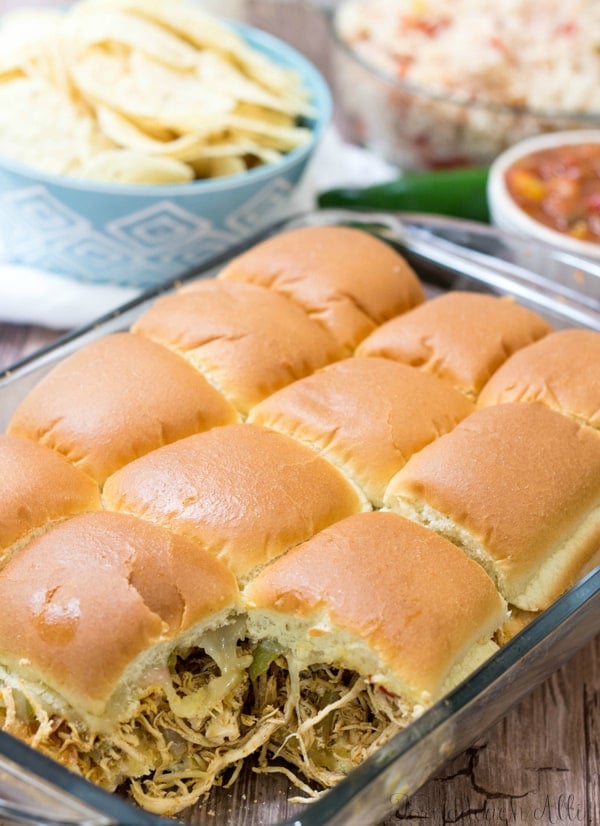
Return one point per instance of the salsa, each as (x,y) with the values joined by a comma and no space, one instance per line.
(560,187)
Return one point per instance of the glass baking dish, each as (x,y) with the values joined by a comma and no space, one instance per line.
(448,255)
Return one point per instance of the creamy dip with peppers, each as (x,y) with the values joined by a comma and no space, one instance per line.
(560,188)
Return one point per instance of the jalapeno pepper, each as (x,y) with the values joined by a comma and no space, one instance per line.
(265,653)
(459,192)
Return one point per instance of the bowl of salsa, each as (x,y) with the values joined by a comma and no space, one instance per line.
(548,187)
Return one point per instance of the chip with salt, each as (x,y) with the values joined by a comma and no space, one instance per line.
(142,91)
(205,32)
(131,32)
(42,126)
(129,167)
(147,92)
(219,167)
(27,38)
(237,152)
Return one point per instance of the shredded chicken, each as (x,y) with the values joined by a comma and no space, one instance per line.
(334,720)
(322,721)
(164,760)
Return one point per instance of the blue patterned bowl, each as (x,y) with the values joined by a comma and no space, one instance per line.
(139,236)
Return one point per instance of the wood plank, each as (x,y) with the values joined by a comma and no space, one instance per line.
(538,765)
(18,341)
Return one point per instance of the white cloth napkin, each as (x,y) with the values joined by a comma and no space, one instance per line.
(31,296)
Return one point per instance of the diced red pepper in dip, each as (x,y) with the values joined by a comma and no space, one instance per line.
(560,188)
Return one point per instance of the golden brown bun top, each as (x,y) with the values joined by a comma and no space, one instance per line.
(368,416)
(96,591)
(562,371)
(412,595)
(243,492)
(37,487)
(461,337)
(518,477)
(248,341)
(116,399)
(344,278)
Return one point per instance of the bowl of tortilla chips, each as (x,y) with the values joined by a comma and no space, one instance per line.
(141,137)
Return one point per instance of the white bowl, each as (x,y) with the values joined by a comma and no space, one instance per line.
(505,212)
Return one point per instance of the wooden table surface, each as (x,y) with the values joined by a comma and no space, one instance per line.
(539,764)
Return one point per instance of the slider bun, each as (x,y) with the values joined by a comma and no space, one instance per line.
(116,399)
(37,487)
(383,596)
(461,337)
(344,278)
(366,416)
(247,340)
(517,486)
(561,370)
(243,492)
(91,598)
(517,621)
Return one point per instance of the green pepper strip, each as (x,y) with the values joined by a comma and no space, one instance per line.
(265,653)
(458,192)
